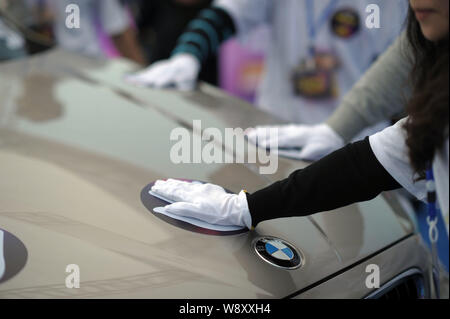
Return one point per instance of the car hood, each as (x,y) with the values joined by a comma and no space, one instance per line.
(78,145)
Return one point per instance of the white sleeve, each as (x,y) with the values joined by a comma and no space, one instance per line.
(113,16)
(246,14)
(390,149)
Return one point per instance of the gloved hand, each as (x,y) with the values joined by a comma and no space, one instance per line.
(315,141)
(207,202)
(2,258)
(180,72)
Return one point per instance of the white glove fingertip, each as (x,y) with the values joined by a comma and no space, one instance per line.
(158,185)
(184,209)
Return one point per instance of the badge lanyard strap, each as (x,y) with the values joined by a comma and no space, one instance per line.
(313,26)
(432,221)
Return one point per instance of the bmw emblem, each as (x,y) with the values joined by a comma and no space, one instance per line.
(278,253)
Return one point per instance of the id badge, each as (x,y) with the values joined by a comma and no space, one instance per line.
(315,77)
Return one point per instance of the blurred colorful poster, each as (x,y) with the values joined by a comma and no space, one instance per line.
(241,64)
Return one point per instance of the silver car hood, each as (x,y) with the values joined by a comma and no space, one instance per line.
(77,146)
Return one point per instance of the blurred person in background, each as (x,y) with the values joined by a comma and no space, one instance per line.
(110,17)
(160,24)
(318,49)
(43,23)
(378,96)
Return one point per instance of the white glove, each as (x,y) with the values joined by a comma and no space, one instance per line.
(315,141)
(207,202)
(181,72)
(2,258)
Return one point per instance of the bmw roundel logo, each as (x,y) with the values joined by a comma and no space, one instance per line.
(278,252)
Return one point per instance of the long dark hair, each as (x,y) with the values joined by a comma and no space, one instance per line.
(428,109)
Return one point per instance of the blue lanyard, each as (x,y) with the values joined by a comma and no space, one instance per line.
(315,26)
(432,221)
(431,194)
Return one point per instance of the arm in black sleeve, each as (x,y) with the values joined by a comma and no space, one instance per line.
(352,174)
(204,35)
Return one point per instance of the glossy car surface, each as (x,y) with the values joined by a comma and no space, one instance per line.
(78,145)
